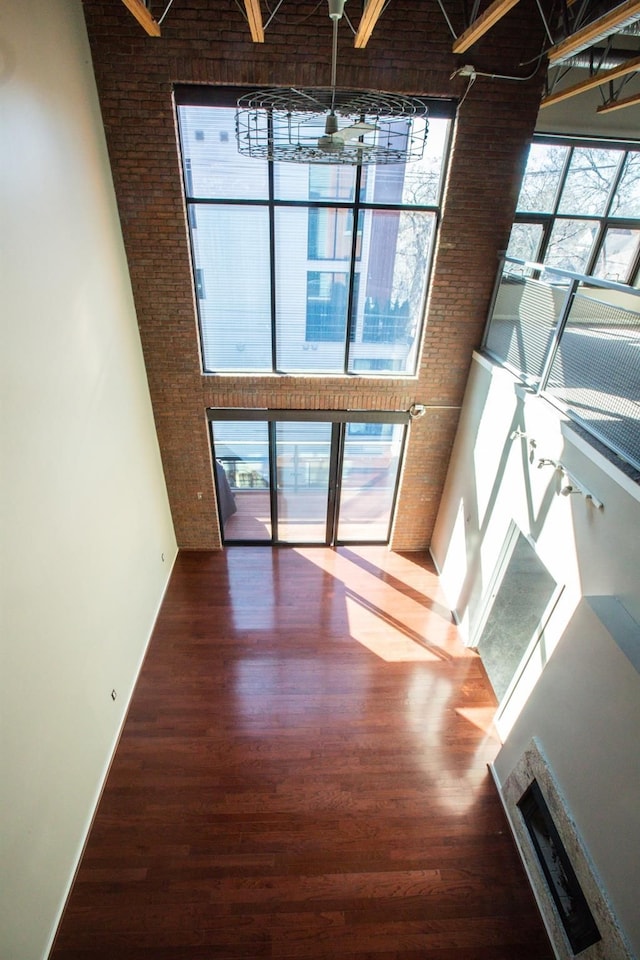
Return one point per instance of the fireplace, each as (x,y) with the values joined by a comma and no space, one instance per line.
(572,901)
(564,886)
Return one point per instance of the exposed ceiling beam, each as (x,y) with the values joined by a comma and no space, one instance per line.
(254,16)
(481,24)
(604,26)
(143,16)
(619,104)
(629,66)
(369,19)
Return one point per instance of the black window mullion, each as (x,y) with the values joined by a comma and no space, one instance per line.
(335,475)
(289,415)
(616,183)
(397,483)
(273,479)
(272,261)
(546,221)
(633,277)
(595,253)
(350,327)
(562,181)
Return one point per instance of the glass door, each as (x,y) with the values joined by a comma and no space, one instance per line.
(243,479)
(303,469)
(285,478)
(368,479)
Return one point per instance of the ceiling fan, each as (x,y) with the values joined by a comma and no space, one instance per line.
(305,125)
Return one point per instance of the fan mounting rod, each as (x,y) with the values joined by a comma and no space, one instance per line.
(336,9)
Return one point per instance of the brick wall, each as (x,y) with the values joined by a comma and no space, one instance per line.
(410,52)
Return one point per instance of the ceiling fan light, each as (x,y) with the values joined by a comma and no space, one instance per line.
(331,123)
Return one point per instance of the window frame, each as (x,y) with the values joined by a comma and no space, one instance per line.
(356,208)
(604,221)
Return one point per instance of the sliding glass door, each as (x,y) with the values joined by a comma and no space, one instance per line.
(368,479)
(303,467)
(243,478)
(292,477)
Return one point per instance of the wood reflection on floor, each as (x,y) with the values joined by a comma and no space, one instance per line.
(303,774)
(302,517)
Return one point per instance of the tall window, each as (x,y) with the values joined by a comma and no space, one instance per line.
(307,268)
(579,209)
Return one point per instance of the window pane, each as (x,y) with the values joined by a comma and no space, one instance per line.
(417,183)
(571,244)
(331,234)
(332,182)
(617,254)
(213,168)
(524,242)
(369,473)
(542,178)
(326,306)
(311,304)
(388,310)
(588,183)
(241,452)
(303,453)
(231,253)
(626,202)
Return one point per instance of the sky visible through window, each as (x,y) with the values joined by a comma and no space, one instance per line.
(306,268)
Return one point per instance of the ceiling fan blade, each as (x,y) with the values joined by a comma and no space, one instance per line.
(331,143)
(355,130)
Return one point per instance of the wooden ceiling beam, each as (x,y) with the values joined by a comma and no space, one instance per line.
(619,104)
(254,16)
(369,19)
(143,16)
(604,26)
(629,66)
(494,12)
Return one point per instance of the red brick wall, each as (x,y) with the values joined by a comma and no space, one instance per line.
(410,52)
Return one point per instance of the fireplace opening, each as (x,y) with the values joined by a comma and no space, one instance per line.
(564,887)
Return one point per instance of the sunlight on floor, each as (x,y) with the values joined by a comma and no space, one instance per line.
(372,578)
(482,718)
(379,635)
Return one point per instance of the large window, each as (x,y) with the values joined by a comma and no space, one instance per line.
(579,209)
(305,268)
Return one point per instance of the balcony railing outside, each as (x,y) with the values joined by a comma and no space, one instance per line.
(576,340)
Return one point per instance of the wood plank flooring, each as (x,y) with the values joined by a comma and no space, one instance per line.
(303,775)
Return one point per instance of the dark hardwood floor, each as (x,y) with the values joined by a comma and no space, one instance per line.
(303,775)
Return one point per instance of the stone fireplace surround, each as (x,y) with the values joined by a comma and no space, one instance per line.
(533,765)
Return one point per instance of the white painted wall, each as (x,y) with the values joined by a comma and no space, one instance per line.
(580,695)
(85,517)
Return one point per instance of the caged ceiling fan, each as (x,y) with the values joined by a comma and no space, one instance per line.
(329,125)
